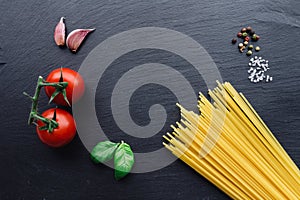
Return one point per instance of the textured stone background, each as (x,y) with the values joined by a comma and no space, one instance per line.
(30,170)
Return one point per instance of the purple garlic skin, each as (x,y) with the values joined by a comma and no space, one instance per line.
(60,33)
(76,37)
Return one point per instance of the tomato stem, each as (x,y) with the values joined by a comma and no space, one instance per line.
(61,79)
(50,124)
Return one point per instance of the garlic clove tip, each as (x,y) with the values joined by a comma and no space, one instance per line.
(60,32)
(76,37)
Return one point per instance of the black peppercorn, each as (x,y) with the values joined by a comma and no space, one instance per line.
(248,29)
(252,32)
(243,30)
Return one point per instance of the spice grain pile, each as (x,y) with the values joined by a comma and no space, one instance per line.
(247,35)
(258,66)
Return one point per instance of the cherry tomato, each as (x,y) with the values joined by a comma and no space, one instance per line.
(61,135)
(74,90)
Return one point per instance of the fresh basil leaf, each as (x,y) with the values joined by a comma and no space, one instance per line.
(123,160)
(103,151)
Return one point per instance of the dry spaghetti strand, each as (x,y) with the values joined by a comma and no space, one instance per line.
(231,146)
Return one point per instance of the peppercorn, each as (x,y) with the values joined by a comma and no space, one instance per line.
(243,30)
(257,48)
(249,53)
(248,29)
(241,45)
(247,38)
(244,34)
(242,49)
(246,43)
(252,32)
(233,41)
(250,47)
(239,34)
(255,37)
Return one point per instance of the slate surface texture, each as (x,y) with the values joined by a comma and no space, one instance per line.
(30,170)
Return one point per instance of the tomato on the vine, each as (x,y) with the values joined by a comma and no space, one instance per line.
(61,135)
(74,90)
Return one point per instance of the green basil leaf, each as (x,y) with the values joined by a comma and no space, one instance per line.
(123,160)
(103,151)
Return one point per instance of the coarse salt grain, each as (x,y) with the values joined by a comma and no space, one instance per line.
(258,68)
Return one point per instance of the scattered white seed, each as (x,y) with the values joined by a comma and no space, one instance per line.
(258,63)
(257,68)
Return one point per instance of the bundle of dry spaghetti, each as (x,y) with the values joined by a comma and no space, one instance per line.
(230,145)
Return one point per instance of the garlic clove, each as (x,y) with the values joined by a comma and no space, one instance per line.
(76,37)
(60,32)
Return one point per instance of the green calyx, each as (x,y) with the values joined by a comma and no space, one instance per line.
(50,124)
(61,89)
(121,153)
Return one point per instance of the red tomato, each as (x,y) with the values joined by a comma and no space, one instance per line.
(61,135)
(74,90)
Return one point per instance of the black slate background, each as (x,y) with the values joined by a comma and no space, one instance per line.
(30,170)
